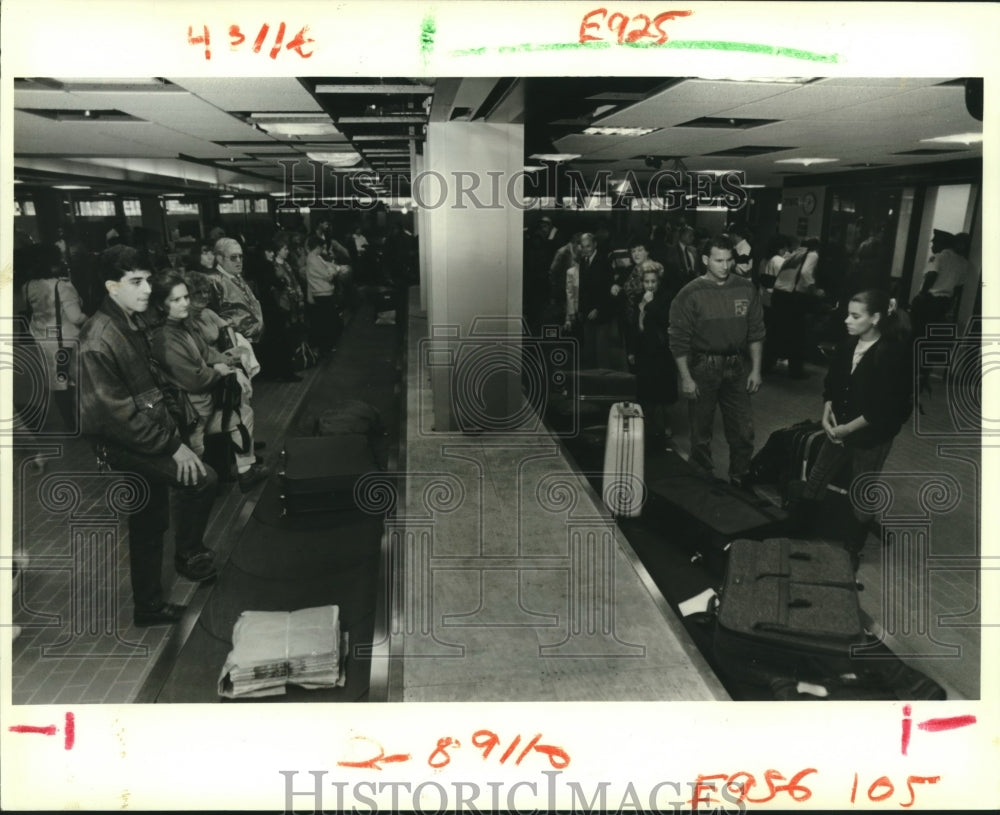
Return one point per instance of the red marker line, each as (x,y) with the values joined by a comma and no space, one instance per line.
(948,723)
(70,739)
(27,728)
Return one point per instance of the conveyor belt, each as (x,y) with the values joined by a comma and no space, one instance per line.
(289,563)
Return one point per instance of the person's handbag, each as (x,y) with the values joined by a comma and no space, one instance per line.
(62,352)
(220,448)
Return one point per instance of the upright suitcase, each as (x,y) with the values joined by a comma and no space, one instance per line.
(623,487)
(769,621)
(705,516)
(318,473)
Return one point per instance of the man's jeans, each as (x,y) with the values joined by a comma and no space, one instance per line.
(191,510)
(722,381)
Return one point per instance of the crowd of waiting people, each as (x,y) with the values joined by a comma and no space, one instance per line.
(166,359)
(169,351)
(706,318)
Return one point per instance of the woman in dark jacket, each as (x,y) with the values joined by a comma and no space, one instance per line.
(649,351)
(868,395)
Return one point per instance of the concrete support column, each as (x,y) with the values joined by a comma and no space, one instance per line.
(472,270)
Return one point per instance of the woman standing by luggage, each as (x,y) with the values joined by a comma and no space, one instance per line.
(649,352)
(198,370)
(867,396)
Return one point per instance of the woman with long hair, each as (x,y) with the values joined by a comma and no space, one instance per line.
(197,369)
(867,396)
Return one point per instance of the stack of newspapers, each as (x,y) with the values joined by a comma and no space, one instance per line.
(272,649)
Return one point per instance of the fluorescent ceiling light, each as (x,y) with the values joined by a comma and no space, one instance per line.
(805,162)
(619,131)
(375,89)
(533,168)
(336,159)
(770,80)
(711,209)
(714,172)
(555,156)
(300,128)
(69,187)
(753,186)
(958,138)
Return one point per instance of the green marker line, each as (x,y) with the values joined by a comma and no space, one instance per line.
(693,45)
(428,28)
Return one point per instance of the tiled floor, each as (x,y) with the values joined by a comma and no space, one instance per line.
(64,519)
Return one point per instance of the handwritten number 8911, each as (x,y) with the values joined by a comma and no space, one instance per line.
(642,27)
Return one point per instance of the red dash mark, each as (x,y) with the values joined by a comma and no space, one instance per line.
(907,726)
(202,40)
(277,41)
(27,728)
(70,732)
(300,40)
(949,723)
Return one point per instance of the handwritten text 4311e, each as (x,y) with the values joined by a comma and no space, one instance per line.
(200,35)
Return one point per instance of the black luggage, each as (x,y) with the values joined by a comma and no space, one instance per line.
(788,457)
(705,515)
(803,626)
(602,385)
(318,473)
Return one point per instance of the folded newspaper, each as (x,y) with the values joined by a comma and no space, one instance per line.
(272,649)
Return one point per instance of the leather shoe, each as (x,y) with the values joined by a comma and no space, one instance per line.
(252,477)
(167,614)
(198,566)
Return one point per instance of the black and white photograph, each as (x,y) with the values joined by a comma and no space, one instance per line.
(439,409)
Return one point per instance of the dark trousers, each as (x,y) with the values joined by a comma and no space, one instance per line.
(150,519)
(722,382)
(325,324)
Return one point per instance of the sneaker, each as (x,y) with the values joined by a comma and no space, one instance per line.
(198,566)
(167,614)
(252,477)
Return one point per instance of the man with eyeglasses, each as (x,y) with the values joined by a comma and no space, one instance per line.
(232,299)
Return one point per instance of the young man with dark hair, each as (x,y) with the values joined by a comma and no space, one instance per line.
(717,336)
(127,416)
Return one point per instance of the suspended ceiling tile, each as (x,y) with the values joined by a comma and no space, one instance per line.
(52,99)
(252,94)
(809,99)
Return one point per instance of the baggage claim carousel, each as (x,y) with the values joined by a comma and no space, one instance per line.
(285,562)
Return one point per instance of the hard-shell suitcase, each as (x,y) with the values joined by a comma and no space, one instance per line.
(705,516)
(623,487)
(773,622)
(318,473)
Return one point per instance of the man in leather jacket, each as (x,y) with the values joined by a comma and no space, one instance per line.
(127,416)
